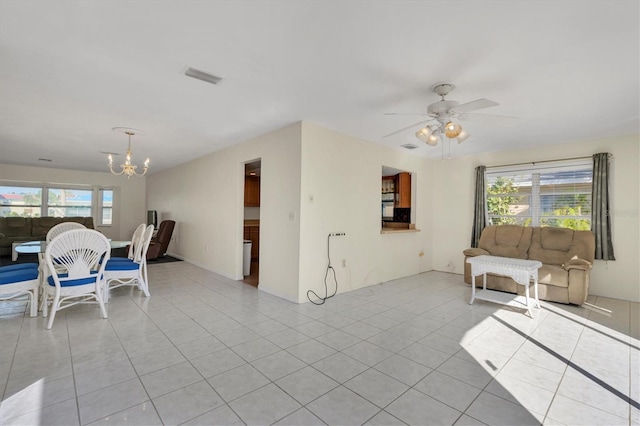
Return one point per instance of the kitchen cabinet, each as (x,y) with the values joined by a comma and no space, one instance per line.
(403,190)
(388,184)
(251,191)
(252,232)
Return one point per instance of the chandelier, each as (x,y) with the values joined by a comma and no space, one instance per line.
(128,168)
(432,133)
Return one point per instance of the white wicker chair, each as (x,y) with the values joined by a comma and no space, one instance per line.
(54,231)
(20,280)
(133,272)
(83,255)
(135,239)
(62,227)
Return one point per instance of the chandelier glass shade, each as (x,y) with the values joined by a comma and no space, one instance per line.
(432,133)
(128,169)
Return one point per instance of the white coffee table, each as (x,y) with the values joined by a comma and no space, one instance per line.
(522,271)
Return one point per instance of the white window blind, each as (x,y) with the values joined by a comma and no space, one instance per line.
(556,193)
(105,206)
(67,202)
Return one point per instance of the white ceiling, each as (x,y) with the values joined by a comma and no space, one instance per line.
(70,71)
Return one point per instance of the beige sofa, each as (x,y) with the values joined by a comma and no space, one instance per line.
(566,256)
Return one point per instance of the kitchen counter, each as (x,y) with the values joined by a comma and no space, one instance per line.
(397,227)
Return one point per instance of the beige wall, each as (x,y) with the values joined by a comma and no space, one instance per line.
(341,173)
(206,199)
(316,181)
(453,214)
(129,194)
(341,178)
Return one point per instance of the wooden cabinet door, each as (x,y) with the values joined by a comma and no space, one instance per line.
(388,184)
(403,190)
(251,191)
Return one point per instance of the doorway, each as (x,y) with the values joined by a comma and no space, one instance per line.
(251,242)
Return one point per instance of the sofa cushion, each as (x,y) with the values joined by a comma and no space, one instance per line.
(553,275)
(580,264)
(509,235)
(86,221)
(475,252)
(556,238)
(506,241)
(15,226)
(583,246)
(41,225)
(18,275)
(18,266)
(17,222)
(554,248)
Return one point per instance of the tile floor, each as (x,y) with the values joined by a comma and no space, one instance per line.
(204,350)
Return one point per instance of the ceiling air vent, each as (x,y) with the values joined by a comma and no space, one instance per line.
(409,146)
(201,75)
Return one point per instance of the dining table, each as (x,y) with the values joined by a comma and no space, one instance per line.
(39,248)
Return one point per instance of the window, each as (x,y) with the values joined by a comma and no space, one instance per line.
(64,202)
(105,207)
(545,194)
(20,201)
(37,201)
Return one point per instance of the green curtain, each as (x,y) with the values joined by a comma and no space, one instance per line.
(479,206)
(600,214)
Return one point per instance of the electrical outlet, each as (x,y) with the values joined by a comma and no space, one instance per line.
(344,263)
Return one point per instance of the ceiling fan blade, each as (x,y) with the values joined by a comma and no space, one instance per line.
(479,114)
(405,113)
(474,105)
(407,128)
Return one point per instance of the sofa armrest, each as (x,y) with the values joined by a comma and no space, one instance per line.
(582,264)
(472,252)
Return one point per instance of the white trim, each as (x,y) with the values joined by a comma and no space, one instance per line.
(542,167)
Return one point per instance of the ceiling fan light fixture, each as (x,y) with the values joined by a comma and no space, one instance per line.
(463,136)
(424,134)
(432,140)
(452,130)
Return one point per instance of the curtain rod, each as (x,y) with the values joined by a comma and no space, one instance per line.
(544,161)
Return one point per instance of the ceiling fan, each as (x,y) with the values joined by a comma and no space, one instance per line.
(441,116)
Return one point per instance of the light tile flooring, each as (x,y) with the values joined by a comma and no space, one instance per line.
(205,350)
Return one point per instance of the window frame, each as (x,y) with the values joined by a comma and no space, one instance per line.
(101,206)
(530,173)
(93,206)
(20,185)
(90,205)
